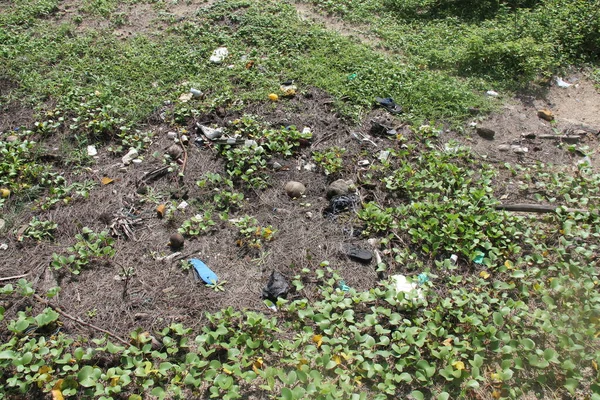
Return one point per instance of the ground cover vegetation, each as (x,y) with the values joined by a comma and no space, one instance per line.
(517,316)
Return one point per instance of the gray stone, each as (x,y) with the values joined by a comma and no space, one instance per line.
(486,133)
(339,187)
(174,152)
(2,224)
(295,189)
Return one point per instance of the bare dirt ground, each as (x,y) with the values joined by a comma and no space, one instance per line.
(161,292)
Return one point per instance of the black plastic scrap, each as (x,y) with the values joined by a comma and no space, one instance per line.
(339,204)
(360,255)
(277,286)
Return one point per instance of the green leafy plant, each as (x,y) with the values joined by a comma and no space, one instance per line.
(90,247)
(331,160)
(198,224)
(217,286)
(39,230)
(252,235)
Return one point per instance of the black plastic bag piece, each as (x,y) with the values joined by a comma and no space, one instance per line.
(360,255)
(339,204)
(277,286)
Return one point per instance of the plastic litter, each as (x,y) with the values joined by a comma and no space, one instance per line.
(389,104)
(288,88)
(219,55)
(277,287)
(352,77)
(210,133)
(492,93)
(561,83)
(478,259)
(130,156)
(270,305)
(454,259)
(423,278)
(196,92)
(402,284)
(91,151)
(363,163)
(201,271)
(172,135)
(339,204)
(343,287)
(360,255)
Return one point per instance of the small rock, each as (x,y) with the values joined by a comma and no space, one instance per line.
(3,247)
(140,315)
(309,215)
(196,93)
(2,224)
(295,189)
(486,133)
(504,147)
(11,138)
(338,187)
(519,149)
(528,136)
(176,241)
(491,93)
(546,115)
(130,156)
(277,166)
(174,152)
(183,205)
(172,135)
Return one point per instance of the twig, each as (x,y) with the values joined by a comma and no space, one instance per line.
(538,208)
(154,174)
(78,320)
(8,278)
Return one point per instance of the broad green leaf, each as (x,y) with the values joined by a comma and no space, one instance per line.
(286,394)
(417,395)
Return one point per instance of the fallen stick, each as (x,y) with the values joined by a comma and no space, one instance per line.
(538,208)
(8,278)
(154,174)
(564,138)
(78,320)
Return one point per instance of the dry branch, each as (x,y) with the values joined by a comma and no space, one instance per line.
(8,278)
(537,208)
